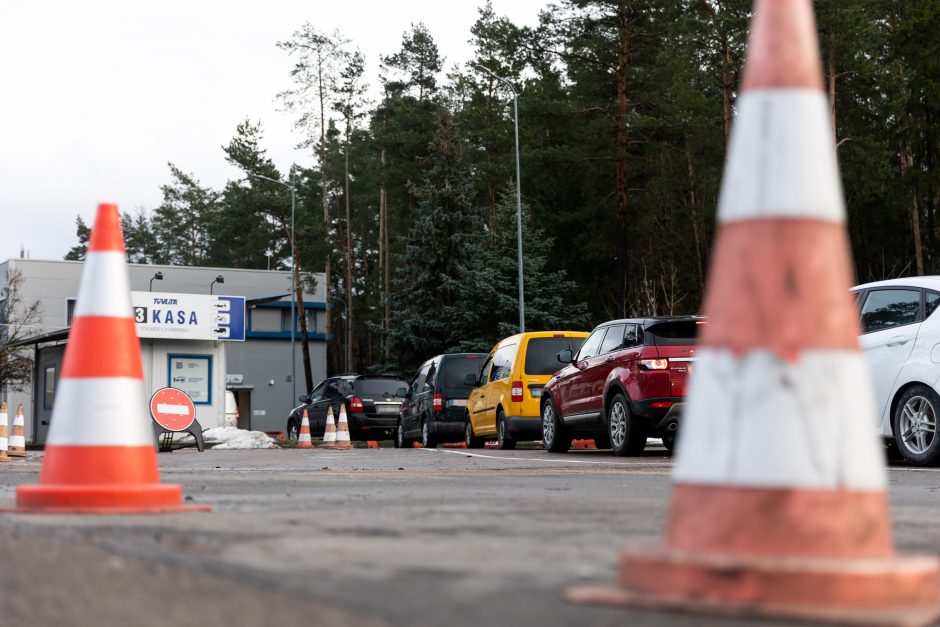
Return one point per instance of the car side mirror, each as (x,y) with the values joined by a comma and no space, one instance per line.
(304,398)
(402,392)
(470,380)
(565,356)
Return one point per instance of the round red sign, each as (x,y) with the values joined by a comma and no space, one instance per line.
(172,409)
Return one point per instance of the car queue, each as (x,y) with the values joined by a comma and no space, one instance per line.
(624,382)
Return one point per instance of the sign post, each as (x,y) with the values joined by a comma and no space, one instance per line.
(174,412)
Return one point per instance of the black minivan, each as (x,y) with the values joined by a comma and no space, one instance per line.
(435,404)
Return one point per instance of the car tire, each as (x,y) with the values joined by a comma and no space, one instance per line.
(669,443)
(471,439)
(555,439)
(915,426)
(400,440)
(626,437)
(503,439)
(428,440)
(293,430)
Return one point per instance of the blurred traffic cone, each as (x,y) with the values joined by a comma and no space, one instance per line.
(778,504)
(100,455)
(329,435)
(4,439)
(372,444)
(342,430)
(304,441)
(17,442)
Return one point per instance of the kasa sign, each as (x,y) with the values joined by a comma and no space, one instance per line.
(189,316)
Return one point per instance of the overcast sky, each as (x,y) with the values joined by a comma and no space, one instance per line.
(98,95)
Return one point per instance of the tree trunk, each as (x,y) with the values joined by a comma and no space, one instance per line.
(907,163)
(302,319)
(831,67)
(622,146)
(693,204)
(727,89)
(384,257)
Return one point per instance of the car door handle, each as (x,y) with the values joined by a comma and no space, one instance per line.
(898,341)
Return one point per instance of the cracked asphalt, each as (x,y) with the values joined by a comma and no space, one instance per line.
(365,537)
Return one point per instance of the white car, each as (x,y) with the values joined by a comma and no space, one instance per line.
(901,340)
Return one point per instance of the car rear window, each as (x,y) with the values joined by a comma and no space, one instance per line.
(540,355)
(673,332)
(379,387)
(455,369)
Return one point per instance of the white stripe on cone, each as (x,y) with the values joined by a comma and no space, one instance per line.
(760,421)
(5,423)
(18,441)
(342,434)
(781,159)
(94,411)
(104,289)
(329,435)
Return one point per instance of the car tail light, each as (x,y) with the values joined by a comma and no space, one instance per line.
(654,364)
(355,404)
(517,391)
(661,404)
(438,402)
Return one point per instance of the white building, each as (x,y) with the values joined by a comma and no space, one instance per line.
(257,370)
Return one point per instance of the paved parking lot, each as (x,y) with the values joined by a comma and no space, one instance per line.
(365,537)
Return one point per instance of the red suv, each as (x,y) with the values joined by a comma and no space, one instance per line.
(627,382)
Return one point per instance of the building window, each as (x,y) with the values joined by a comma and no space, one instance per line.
(69,311)
(265,320)
(191,374)
(48,387)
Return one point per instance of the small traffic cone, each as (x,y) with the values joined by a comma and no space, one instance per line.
(343,442)
(778,503)
(372,444)
(329,434)
(4,439)
(100,454)
(17,442)
(304,441)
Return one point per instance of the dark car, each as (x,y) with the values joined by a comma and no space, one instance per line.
(625,384)
(435,402)
(372,406)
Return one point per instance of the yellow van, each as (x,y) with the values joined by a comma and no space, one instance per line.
(505,401)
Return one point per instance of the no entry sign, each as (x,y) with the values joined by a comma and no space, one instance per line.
(172,409)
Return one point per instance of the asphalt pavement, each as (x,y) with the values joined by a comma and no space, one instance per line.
(365,537)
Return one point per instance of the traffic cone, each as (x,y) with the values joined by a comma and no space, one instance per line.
(778,505)
(372,444)
(100,455)
(329,434)
(17,440)
(342,430)
(4,438)
(304,441)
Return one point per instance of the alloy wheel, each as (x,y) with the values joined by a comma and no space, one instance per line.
(548,424)
(618,425)
(918,424)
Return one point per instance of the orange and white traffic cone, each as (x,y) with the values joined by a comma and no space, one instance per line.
(4,436)
(329,434)
(778,505)
(343,442)
(100,455)
(17,441)
(303,440)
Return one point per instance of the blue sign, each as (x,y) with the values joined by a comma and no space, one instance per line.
(228,318)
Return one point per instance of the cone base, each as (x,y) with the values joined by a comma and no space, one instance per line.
(900,590)
(101,499)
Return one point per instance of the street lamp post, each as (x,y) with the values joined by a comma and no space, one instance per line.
(156,276)
(515,116)
(218,279)
(293,285)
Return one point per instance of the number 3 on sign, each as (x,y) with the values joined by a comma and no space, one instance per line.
(140,314)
